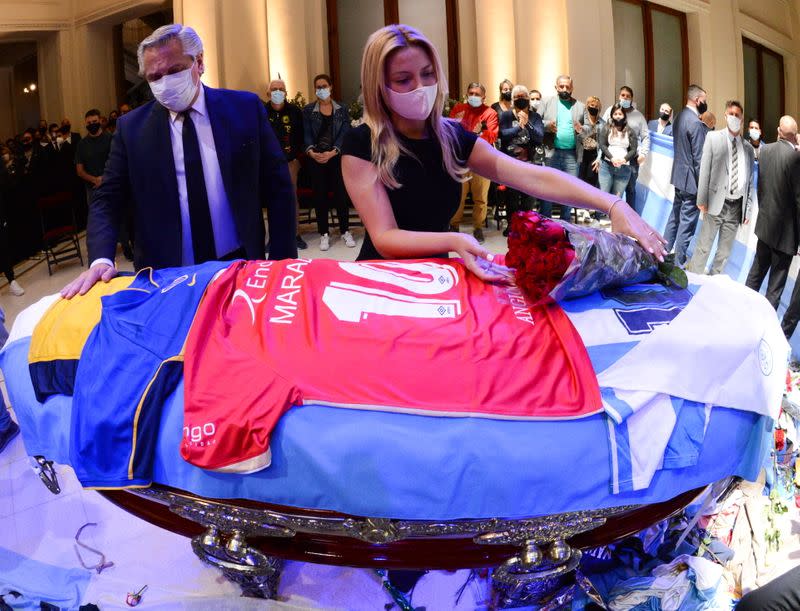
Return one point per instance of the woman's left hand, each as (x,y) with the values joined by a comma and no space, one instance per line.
(625,220)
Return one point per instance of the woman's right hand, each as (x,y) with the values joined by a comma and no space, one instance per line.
(478,260)
(625,220)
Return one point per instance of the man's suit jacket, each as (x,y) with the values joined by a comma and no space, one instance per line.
(140,172)
(653,127)
(712,187)
(778,223)
(688,136)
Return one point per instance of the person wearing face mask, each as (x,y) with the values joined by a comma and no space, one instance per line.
(688,137)
(475,116)
(778,222)
(618,148)
(287,122)
(563,121)
(75,137)
(754,135)
(504,103)
(67,175)
(53,130)
(637,123)
(92,153)
(538,155)
(196,166)
(27,184)
(325,122)
(724,190)
(403,167)
(662,125)
(588,151)
(24,162)
(520,134)
(45,163)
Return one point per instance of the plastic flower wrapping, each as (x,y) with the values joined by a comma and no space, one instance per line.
(558,260)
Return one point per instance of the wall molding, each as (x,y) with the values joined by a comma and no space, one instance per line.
(120,6)
(38,26)
(686,6)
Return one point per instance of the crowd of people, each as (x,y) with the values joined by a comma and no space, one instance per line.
(43,161)
(600,146)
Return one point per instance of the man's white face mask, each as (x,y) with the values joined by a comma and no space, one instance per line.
(175,91)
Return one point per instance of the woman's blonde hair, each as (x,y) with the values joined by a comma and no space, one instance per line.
(386,146)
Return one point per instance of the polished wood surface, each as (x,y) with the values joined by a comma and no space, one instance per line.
(432,554)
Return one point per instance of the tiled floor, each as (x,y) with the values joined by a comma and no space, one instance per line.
(37,524)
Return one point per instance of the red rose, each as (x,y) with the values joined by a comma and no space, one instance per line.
(513,259)
(550,231)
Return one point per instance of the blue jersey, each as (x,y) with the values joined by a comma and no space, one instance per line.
(132,360)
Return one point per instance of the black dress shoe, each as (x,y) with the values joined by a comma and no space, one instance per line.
(301,243)
(478,235)
(9,434)
(505,232)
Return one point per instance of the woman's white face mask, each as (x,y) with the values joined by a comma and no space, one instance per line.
(175,91)
(414,105)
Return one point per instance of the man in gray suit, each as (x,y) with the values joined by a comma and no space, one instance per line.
(778,223)
(689,135)
(562,116)
(724,191)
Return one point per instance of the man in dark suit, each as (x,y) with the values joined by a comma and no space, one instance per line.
(196,166)
(688,135)
(778,224)
(662,125)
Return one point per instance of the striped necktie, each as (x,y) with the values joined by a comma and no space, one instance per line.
(734,168)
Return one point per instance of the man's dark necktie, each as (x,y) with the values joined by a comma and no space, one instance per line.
(734,168)
(199,214)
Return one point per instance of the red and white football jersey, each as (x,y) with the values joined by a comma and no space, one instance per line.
(416,336)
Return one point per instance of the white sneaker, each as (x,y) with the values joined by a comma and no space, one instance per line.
(348,239)
(16,289)
(324,242)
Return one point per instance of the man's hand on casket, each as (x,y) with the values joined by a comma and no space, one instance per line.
(84,282)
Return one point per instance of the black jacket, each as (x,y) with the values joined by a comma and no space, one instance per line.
(140,172)
(778,223)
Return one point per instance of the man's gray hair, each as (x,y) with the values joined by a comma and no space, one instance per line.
(192,45)
(519,89)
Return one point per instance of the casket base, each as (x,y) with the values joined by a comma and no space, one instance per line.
(535,575)
(256,573)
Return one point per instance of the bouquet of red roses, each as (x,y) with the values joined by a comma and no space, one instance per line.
(559,260)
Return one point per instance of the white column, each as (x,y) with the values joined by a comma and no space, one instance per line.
(496,43)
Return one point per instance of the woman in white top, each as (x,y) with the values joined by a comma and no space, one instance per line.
(618,146)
